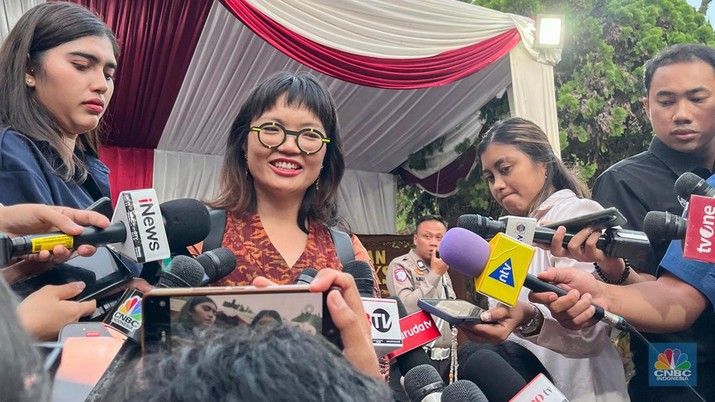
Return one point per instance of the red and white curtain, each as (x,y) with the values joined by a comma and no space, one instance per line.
(403,73)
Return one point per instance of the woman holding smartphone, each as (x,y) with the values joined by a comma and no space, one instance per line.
(527,179)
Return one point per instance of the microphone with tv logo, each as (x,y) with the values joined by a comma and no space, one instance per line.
(613,242)
(141,230)
(700,231)
(501,268)
(418,329)
(500,382)
(126,317)
(382,313)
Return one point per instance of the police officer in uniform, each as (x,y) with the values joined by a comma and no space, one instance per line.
(420,274)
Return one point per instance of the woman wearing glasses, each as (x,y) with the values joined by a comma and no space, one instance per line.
(279,182)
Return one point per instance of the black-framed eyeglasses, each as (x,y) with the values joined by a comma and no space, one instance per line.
(272,135)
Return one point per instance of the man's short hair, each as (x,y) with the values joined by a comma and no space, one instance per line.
(682,53)
(281,364)
(426,218)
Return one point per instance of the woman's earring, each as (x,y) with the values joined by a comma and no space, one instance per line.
(246,156)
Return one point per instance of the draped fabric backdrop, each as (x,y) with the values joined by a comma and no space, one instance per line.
(187,65)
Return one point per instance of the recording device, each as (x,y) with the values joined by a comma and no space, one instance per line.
(100,272)
(383,314)
(453,311)
(216,264)
(620,243)
(605,218)
(463,391)
(137,230)
(493,375)
(423,384)
(169,319)
(414,336)
(691,184)
(501,267)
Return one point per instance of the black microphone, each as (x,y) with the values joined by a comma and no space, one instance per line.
(620,243)
(217,264)
(362,272)
(306,276)
(187,222)
(691,184)
(423,383)
(663,226)
(413,358)
(184,272)
(493,375)
(463,391)
(134,231)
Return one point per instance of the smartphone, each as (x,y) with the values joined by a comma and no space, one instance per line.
(167,324)
(606,218)
(83,330)
(103,206)
(101,272)
(453,311)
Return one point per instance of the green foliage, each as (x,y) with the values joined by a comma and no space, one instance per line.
(598,81)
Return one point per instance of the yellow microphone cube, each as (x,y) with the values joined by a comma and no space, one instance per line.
(505,273)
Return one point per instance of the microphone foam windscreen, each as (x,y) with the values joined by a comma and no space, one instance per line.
(306,276)
(362,272)
(186,269)
(217,263)
(463,391)
(660,225)
(493,375)
(187,222)
(464,251)
(421,381)
(691,184)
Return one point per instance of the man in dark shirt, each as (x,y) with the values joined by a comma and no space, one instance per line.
(680,103)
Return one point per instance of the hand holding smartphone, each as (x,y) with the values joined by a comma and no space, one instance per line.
(453,311)
(606,218)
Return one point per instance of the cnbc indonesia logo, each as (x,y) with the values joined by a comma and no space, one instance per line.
(672,367)
(129,314)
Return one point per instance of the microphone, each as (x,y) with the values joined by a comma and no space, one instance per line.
(463,391)
(691,184)
(411,355)
(306,276)
(138,230)
(502,269)
(362,272)
(382,313)
(216,264)
(493,375)
(664,226)
(423,383)
(619,243)
(184,272)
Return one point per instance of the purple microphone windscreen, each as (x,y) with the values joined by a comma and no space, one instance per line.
(464,251)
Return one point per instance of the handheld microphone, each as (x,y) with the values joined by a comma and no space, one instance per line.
(501,268)
(382,313)
(184,272)
(664,226)
(493,375)
(362,273)
(423,383)
(411,354)
(138,230)
(306,276)
(691,184)
(620,243)
(217,264)
(463,391)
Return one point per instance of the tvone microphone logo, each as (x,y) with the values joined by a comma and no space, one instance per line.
(148,217)
(707,230)
(381,320)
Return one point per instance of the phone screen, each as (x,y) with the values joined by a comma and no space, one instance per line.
(101,272)
(172,321)
(452,311)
